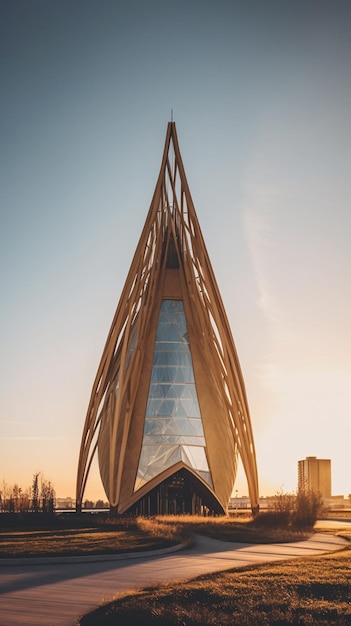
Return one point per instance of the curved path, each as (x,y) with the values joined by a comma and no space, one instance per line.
(57,592)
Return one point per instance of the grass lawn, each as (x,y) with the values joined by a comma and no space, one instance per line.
(308,591)
(101,538)
(131,535)
(77,543)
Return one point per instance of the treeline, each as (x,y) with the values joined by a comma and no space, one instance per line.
(40,497)
(99,504)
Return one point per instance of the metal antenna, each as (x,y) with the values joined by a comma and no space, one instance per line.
(171,115)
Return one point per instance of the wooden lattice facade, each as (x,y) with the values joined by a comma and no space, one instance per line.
(168,413)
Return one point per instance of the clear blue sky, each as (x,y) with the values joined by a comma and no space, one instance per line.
(261,96)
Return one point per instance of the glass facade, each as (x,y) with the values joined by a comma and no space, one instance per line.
(173,428)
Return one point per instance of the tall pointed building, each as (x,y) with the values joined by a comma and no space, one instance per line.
(168,413)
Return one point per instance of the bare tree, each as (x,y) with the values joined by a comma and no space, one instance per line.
(35,493)
(47,496)
(15,499)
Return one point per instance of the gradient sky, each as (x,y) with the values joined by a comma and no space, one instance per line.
(261,96)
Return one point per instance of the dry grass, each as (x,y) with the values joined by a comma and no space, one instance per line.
(133,535)
(106,539)
(309,591)
(314,590)
(77,543)
(242,529)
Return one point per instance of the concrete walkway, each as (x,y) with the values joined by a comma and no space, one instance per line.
(58,593)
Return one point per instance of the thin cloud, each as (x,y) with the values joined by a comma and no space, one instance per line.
(32,438)
(260,239)
(8,421)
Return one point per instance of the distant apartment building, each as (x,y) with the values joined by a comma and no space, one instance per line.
(315,475)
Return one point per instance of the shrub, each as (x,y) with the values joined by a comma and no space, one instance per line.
(308,507)
(283,506)
(271,519)
(297,511)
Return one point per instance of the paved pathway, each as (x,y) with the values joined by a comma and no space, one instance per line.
(58,593)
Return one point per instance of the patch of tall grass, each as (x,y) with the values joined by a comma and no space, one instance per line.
(119,536)
(228,528)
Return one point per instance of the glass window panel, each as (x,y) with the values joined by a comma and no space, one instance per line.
(171,391)
(184,358)
(160,426)
(153,406)
(181,328)
(190,408)
(197,456)
(154,425)
(159,375)
(206,476)
(192,441)
(167,407)
(175,374)
(197,426)
(171,428)
(159,391)
(159,358)
(179,410)
(180,439)
(184,426)
(163,439)
(171,346)
(167,332)
(188,392)
(176,391)
(158,431)
(168,374)
(164,456)
(188,374)
(148,428)
(162,357)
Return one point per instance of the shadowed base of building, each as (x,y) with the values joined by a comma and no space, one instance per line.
(181,494)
